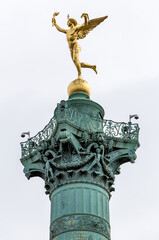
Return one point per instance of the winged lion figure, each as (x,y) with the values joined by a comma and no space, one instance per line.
(76,32)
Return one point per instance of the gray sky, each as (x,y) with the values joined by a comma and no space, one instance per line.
(36,69)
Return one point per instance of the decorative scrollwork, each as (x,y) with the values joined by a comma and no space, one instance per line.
(31,146)
(121,130)
(80,223)
(78,119)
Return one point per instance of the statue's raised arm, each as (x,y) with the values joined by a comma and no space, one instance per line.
(55,24)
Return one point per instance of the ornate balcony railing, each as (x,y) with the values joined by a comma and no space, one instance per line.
(32,144)
(110,129)
(121,130)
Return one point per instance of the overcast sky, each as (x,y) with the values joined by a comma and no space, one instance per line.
(35,70)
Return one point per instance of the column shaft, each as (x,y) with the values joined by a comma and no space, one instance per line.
(79,211)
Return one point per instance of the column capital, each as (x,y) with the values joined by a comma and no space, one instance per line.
(78,145)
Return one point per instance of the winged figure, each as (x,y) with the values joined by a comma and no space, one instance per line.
(76,32)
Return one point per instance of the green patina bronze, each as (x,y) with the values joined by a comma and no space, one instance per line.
(78,155)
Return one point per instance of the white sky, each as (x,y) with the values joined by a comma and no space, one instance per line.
(35,70)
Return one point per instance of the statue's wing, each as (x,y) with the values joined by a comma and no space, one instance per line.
(83,30)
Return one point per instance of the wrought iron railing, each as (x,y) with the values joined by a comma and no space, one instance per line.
(121,130)
(110,129)
(32,144)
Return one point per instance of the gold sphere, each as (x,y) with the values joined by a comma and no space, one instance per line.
(78,85)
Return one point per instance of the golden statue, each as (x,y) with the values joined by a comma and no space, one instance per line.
(76,32)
